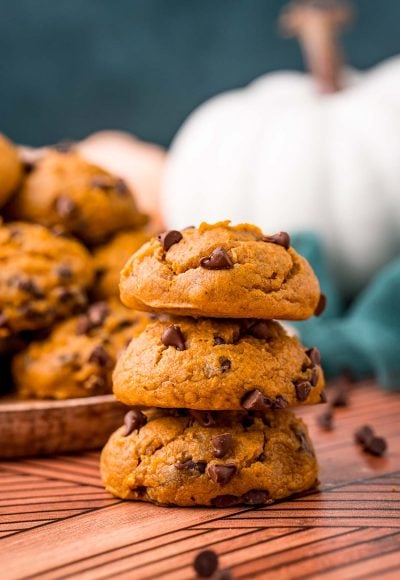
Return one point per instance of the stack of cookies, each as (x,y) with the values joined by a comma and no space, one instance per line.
(212,378)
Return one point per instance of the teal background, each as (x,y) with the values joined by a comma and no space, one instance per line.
(68,68)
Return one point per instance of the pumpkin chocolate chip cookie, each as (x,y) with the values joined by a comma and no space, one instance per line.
(217,364)
(42,278)
(186,458)
(78,357)
(221,271)
(110,258)
(66,191)
(10,169)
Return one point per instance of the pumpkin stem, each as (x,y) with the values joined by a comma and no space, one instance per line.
(317,24)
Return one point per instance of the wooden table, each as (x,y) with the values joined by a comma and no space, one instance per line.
(57,522)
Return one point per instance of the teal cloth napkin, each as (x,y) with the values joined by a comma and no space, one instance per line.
(363,337)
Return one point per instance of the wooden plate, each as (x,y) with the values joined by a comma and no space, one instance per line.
(44,427)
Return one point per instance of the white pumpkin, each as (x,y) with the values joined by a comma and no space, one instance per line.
(280,154)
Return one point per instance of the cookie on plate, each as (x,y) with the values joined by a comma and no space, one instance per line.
(78,357)
(212,459)
(10,169)
(42,278)
(217,364)
(110,258)
(65,191)
(221,271)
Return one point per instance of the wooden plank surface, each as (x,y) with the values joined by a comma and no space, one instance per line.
(56,521)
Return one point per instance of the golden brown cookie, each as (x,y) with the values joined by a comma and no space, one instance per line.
(66,191)
(219,459)
(216,364)
(221,271)
(78,357)
(110,258)
(10,169)
(42,278)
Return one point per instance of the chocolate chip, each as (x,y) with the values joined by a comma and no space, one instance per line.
(170,238)
(29,286)
(256,497)
(64,206)
(103,182)
(100,356)
(314,355)
(322,397)
(172,336)
(303,389)
(221,473)
(204,418)
(261,457)
(281,239)
(134,419)
(321,305)
(256,401)
(260,330)
(224,501)
(225,364)
(325,420)
(363,434)
(64,272)
(222,444)
(340,396)
(376,446)
(205,563)
(95,383)
(314,378)
(279,402)
(217,260)
(121,187)
(190,465)
(28,166)
(302,439)
(218,340)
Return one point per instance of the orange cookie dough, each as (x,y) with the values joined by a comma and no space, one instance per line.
(66,191)
(78,357)
(217,364)
(110,258)
(42,278)
(221,271)
(10,169)
(212,459)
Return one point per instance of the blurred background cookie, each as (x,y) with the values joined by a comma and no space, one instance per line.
(10,169)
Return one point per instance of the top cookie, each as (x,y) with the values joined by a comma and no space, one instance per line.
(10,169)
(221,271)
(66,191)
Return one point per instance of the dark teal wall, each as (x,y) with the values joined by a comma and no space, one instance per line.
(70,67)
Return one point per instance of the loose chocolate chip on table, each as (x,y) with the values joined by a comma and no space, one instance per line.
(134,419)
(256,497)
(363,434)
(121,187)
(64,206)
(100,356)
(325,420)
(321,305)
(369,441)
(225,364)
(259,330)
(314,355)
(170,238)
(225,500)
(190,465)
(221,473)
(172,336)
(340,396)
(281,239)
(222,444)
(218,340)
(219,259)
(205,563)
(204,418)
(303,389)
(256,401)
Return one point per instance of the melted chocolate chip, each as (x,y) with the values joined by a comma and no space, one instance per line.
(222,444)
(28,166)
(256,497)
(64,272)
(190,465)
(170,238)
(302,439)
(259,329)
(256,401)
(261,457)
(29,286)
(121,187)
(219,259)
(134,419)
(172,336)
(224,501)
(325,420)
(221,473)
(321,305)
(279,402)
(204,418)
(303,389)
(281,239)
(225,364)
(206,563)
(100,356)
(218,340)
(314,355)
(64,206)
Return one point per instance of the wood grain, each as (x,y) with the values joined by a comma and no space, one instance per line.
(56,521)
